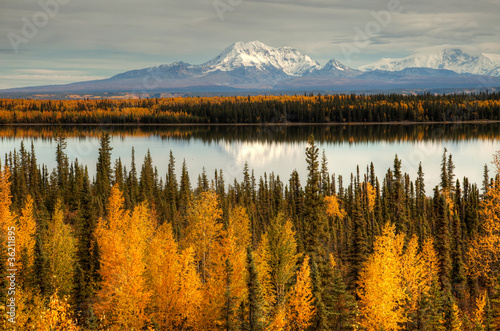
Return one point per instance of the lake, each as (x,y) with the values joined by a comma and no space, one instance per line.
(278,149)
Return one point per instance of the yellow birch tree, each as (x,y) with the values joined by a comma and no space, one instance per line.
(175,285)
(122,239)
(60,246)
(300,305)
(380,286)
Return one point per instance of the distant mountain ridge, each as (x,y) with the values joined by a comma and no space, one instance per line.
(449,59)
(256,66)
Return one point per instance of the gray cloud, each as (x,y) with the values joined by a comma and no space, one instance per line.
(102,38)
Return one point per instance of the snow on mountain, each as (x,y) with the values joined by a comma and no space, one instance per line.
(176,70)
(334,64)
(258,55)
(256,66)
(251,62)
(449,59)
(336,69)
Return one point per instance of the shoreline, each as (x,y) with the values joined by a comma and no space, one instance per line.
(290,124)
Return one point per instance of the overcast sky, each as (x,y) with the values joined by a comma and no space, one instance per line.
(77,40)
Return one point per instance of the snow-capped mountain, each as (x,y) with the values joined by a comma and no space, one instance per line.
(449,59)
(336,69)
(254,66)
(262,57)
(176,70)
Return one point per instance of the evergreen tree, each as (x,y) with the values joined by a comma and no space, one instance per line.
(325,176)
(444,172)
(451,175)
(185,189)
(314,219)
(342,307)
(104,172)
(443,245)
(255,318)
(320,321)
(62,163)
(486,180)
(171,187)
(147,182)
(133,183)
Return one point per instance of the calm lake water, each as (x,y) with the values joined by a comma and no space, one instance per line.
(278,149)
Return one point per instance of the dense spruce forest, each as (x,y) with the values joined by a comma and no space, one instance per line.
(132,249)
(379,108)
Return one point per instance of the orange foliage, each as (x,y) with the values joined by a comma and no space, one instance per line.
(6,216)
(333,208)
(300,305)
(370,195)
(175,286)
(392,282)
(56,317)
(484,254)
(122,240)
(25,236)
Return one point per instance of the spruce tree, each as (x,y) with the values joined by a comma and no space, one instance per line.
(444,172)
(443,244)
(314,218)
(341,305)
(325,176)
(185,189)
(104,172)
(458,266)
(320,321)
(62,163)
(133,183)
(254,295)
(147,183)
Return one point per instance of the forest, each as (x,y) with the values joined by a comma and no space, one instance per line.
(377,108)
(128,248)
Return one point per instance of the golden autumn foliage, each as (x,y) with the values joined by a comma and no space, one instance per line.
(6,216)
(333,208)
(213,273)
(175,286)
(456,319)
(276,260)
(413,275)
(56,316)
(380,286)
(123,241)
(479,313)
(278,321)
(370,194)
(391,282)
(60,246)
(221,257)
(287,306)
(496,162)
(449,201)
(484,254)
(190,109)
(227,285)
(300,304)
(264,271)
(25,236)
(430,262)
(203,229)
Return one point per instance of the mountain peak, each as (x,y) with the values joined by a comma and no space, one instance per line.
(453,59)
(260,56)
(251,44)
